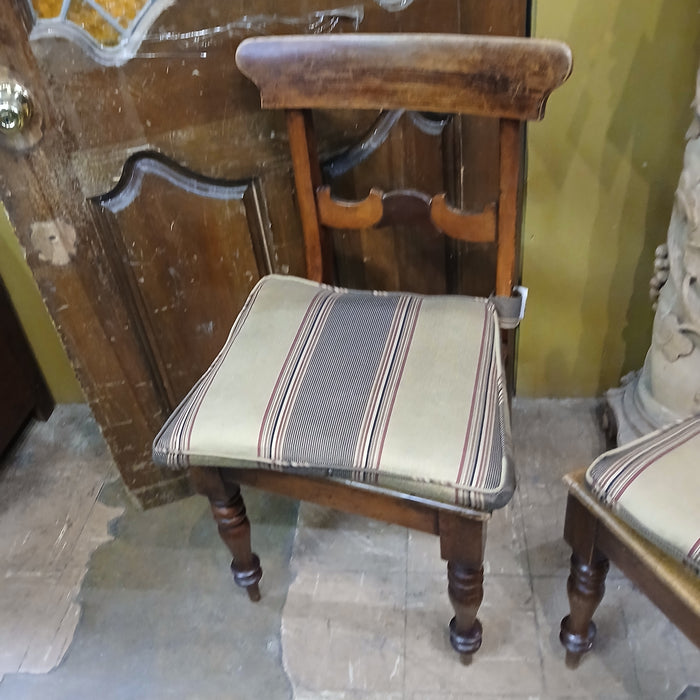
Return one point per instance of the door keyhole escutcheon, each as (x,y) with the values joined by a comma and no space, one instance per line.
(15,107)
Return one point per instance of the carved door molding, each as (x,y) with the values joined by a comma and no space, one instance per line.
(151,193)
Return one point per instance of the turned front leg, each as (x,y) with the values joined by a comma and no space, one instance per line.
(234,529)
(465,587)
(585,588)
(229,513)
(462,543)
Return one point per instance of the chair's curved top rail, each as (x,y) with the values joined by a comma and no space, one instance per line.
(485,75)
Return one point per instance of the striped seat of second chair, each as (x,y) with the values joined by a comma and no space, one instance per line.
(400,391)
(653,485)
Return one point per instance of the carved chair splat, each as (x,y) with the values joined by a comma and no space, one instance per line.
(404,466)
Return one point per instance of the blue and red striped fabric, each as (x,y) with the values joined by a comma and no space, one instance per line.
(402,391)
(654,485)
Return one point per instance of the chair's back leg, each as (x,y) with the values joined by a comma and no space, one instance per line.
(462,542)
(229,512)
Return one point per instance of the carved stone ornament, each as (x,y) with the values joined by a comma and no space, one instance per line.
(667,388)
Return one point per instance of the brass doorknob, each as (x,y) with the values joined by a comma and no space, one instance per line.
(15,107)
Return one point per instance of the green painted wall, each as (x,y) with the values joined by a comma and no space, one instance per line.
(602,171)
(35,320)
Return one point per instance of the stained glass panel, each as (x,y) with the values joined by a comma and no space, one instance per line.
(105,20)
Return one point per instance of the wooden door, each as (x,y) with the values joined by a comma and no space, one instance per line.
(151,193)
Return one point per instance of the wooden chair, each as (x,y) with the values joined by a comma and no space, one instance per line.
(390,405)
(636,506)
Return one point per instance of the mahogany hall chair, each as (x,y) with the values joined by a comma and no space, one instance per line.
(639,507)
(391,405)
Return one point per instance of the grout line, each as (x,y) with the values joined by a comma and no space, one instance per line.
(405,614)
(530,580)
(638,689)
(677,653)
(292,575)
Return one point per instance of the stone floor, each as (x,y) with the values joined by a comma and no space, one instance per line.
(99,599)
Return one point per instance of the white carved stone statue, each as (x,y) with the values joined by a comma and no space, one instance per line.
(668,386)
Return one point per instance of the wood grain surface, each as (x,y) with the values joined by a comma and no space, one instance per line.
(491,76)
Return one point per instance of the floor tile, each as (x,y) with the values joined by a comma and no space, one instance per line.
(38,621)
(609,670)
(655,644)
(328,538)
(508,658)
(344,631)
(690,654)
(48,539)
(423,554)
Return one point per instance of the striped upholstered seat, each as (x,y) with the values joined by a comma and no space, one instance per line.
(397,390)
(654,485)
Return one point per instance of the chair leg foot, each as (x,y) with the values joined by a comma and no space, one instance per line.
(466,643)
(466,591)
(585,588)
(576,644)
(248,578)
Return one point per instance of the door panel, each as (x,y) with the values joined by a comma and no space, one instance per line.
(191,251)
(158,192)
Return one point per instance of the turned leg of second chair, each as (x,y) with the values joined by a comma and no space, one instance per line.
(586,583)
(229,513)
(462,544)
(585,588)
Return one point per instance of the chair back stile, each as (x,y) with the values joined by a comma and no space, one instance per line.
(508,206)
(307,179)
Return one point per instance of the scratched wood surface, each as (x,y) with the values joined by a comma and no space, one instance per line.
(439,73)
(160,192)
